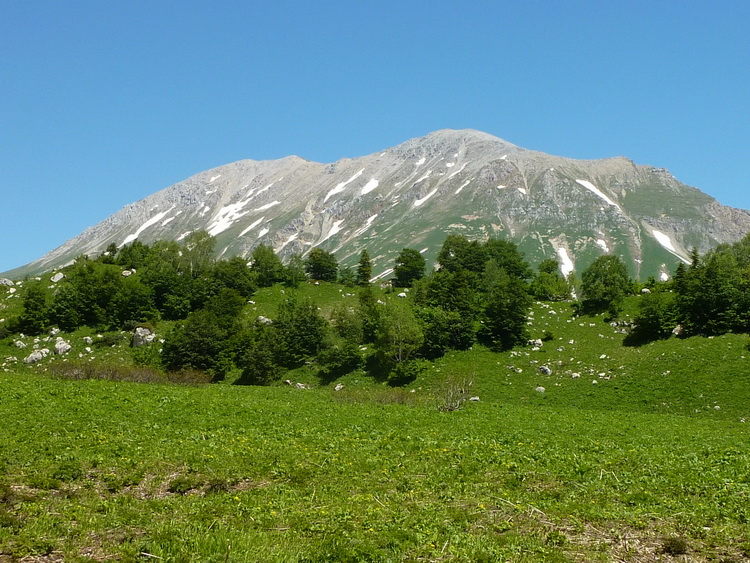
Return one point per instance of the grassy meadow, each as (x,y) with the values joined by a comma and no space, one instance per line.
(627,454)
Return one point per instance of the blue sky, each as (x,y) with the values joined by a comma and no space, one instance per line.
(103,103)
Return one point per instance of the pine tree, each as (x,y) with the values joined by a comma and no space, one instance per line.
(364,269)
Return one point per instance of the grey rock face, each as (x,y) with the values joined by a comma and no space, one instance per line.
(415,194)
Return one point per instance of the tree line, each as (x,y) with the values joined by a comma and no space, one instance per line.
(479,292)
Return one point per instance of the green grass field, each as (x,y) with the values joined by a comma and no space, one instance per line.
(650,463)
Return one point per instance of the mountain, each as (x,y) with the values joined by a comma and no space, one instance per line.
(415,194)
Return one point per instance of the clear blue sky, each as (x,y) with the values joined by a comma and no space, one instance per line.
(103,103)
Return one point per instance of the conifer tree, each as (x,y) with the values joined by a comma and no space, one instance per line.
(364,269)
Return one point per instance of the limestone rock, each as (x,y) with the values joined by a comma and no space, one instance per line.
(142,336)
(62,347)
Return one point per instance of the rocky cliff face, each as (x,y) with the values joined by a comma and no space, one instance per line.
(415,194)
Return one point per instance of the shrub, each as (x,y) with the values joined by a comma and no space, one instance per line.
(182,484)
(675,545)
(453,393)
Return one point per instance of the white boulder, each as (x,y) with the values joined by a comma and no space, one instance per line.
(62,347)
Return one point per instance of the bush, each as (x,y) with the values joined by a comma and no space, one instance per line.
(675,545)
(336,361)
(406,372)
(453,393)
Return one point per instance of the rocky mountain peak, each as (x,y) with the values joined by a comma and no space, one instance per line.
(416,193)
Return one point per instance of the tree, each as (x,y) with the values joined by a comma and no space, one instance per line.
(133,303)
(444,330)
(197,253)
(294,271)
(399,335)
(549,285)
(458,253)
(133,255)
(604,285)
(364,268)
(33,318)
(266,266)
(347,277)
(506,306)
(196,343)
(656,318)
(233,274)
(507,256)
(410,266)
(321,265)
(258,359)
(300,330)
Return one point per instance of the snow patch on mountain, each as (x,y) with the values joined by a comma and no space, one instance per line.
(226,216)
(381,275)
(664,240)
(155,219)
(287,241)
(458,171)
(596,191)
(566,264)
(252,226)
(419,202)
(263,231)
(369,186)
(336,228)
(466,183)
(603,245)
(267,206)
(340,187)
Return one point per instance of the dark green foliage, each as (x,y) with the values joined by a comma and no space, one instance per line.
(506,306)
(364,268)
(348,323)
(347,277)
(195,343)
(257,359)
(266,266)
(339,359)
(451,290)
(133,255)
(675,545)
(369,313)
(226,306)
(133,303)
(444,330)
(505,253)
(294,271)
(604,285)
(405,372)
(399,336)
(410,265)
(549,285)
(656,318)
(233,274)
(458,253)
(300,331)
(321,265)
(34,319)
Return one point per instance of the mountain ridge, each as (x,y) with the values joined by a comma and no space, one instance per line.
(416,193)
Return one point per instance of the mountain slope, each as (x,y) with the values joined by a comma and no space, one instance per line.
(415,194)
